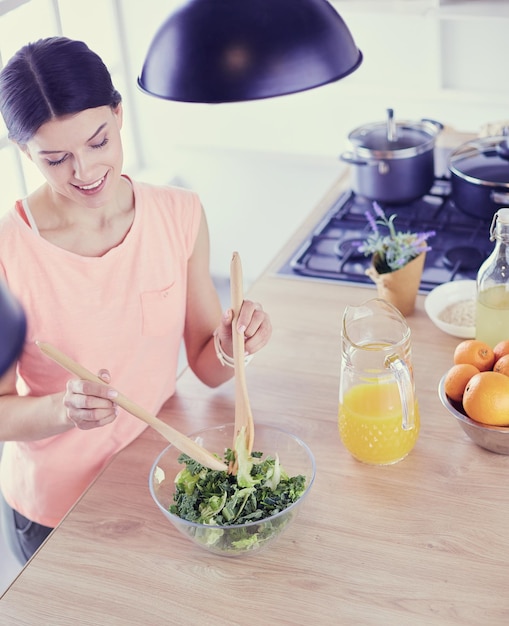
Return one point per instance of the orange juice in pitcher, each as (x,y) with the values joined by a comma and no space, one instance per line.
(378,412)
(370,424)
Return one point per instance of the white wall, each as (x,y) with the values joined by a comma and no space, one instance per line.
(259,166)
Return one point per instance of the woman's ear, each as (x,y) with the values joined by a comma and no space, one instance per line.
(24,148)
(118,112)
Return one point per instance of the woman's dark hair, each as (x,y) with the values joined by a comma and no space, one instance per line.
(50,78)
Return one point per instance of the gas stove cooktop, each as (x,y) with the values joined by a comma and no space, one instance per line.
(329,253)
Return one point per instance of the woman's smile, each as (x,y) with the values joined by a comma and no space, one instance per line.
(91,189)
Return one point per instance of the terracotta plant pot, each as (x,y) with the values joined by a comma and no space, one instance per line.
(399,287)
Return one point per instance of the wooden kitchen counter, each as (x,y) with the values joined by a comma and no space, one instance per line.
(424,541)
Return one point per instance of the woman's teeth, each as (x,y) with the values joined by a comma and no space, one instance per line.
(92,186)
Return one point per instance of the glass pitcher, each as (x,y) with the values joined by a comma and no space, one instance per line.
(378,412)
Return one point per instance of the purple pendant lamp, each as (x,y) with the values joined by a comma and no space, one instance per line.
(12,329)
(213,51)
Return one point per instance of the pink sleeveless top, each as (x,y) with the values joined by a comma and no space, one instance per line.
(123,311)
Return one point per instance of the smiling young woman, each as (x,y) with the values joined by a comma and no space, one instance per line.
(113,271)
(80,156)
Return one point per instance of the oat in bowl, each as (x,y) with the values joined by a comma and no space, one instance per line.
(451,307)
(461,313)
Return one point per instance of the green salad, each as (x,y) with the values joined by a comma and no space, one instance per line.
(260,489)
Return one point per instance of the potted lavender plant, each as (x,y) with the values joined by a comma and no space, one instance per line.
(397,259)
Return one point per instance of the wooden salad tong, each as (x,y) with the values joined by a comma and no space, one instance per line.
(243,416)
(176,438)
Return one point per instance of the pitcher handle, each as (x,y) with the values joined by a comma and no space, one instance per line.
(402,374)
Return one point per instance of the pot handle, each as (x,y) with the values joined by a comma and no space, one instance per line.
(348,157)
(501,151)
(499,197)
(439,125)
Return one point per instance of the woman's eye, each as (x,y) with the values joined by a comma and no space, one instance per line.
(102,144)
(52,163)
(94,146)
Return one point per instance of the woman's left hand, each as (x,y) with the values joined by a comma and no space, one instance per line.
(253,322)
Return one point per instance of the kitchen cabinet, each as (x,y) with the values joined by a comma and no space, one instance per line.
(441,9)
(462,43)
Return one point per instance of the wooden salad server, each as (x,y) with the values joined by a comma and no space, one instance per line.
(176,438)
(243,415)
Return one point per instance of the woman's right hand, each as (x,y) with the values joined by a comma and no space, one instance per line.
(90,405)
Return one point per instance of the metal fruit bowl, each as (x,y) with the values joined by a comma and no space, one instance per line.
(493,438)
(230,540)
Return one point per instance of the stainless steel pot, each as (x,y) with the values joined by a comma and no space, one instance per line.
(393,161)
(480,176)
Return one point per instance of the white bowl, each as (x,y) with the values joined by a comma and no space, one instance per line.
(446,295)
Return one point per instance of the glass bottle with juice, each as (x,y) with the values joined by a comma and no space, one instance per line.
(492,305)
(378,415)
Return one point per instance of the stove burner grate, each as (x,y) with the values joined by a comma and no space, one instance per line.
(463,258)
(459,247)
(349,248)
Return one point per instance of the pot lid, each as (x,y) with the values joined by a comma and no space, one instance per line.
(375,138)
(402,136)
(482,161)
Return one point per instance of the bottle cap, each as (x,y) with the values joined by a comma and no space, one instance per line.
(503,215)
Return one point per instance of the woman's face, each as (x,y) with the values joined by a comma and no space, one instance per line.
(80,155)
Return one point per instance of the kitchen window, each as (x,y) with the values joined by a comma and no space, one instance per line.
(97,22)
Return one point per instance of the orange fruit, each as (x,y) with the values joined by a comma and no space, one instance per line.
(476,353)
(457,378)
(502,365)
(501,349)
(486,398)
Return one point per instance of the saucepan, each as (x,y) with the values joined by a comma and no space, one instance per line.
(480,176)
(393,161)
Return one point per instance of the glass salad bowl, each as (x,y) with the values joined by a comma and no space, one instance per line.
(234,524)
